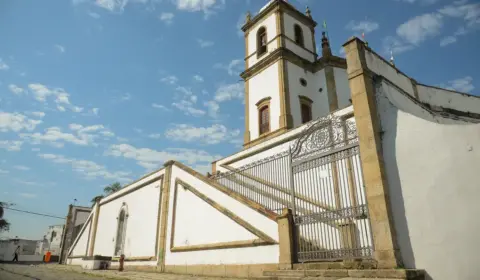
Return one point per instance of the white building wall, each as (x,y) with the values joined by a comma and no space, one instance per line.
(343,87)
(211,226)
(270,24)
(80,248)
(141,224)
(289,23)
(315,81)
(432,170)
(448,99)
(264,84)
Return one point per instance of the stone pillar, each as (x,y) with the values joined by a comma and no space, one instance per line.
(386,252)
(286,239)
(93,228)
(164,215)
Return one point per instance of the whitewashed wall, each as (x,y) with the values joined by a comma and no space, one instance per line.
(264,84)
(199,223)
(80,247)
(432,171)
(343,87)
(448,99)
(141,224)
(270,24)
(289,23)
(315,81)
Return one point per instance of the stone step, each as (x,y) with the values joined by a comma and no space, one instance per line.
(404,274)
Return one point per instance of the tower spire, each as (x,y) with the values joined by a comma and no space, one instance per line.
(392,60)
(326,50)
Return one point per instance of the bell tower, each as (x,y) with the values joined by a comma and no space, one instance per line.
(277,35)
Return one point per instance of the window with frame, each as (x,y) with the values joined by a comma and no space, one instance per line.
(264,119)
(298,35)
(306,109)
(261,41)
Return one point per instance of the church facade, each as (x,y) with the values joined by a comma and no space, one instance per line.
(347,163)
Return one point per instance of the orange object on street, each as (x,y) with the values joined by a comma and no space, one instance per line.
(47,256)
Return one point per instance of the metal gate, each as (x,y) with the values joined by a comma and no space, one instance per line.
(325,163)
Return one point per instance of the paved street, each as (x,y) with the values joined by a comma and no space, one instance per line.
(57,272)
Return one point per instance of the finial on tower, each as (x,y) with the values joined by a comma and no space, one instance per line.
(326,51)
(392,60)
(363,37)
(308,12)
(248,17)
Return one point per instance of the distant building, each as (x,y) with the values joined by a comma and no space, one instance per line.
(27,249)
(51,241)
(77,215)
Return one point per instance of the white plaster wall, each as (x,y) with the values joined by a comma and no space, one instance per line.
(215,229)
(432,165)
(270,24)
(448,99)
(315,81)
(264,84)
(80,248)
(343,87)
(81,217)
(141,227)
(289,23)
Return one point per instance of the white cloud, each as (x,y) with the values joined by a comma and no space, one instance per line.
(12,146)
(16,89)
(160,106)
(89,169)
(365,26)
(4,171)
(3,65)
(425,2)
(213,108)
(419,28)
(447,41)
(95,111)
(206,6)
(27,195)
(198,78)
(21,167)
(169,80)
(93,15)
(396,45)
(60,48)
(229,92)
(127,96)
(187,108)
(207,135)
(155,136)
(60,96)
(112,5)
(462,84)
(204,43)
(166,17)
(16,122)
(38,114)
(79,135)
(234,67)
(151,159)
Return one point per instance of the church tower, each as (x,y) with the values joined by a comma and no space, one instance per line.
(285,83)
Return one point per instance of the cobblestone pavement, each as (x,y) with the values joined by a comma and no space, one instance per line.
(60,272)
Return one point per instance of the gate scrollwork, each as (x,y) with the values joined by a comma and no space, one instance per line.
(324,134)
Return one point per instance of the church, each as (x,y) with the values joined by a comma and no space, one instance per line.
(349,168)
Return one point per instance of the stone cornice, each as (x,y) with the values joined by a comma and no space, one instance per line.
(283,53)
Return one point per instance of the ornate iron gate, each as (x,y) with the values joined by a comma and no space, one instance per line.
(325,163)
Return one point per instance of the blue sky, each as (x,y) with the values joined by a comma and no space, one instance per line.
(95,91)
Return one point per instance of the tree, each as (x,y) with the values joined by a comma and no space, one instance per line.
(107,191)
(4,224)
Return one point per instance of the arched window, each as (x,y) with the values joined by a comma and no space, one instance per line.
(298,34)
(306,108)
(261,41)
(264,120)
(121,230)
